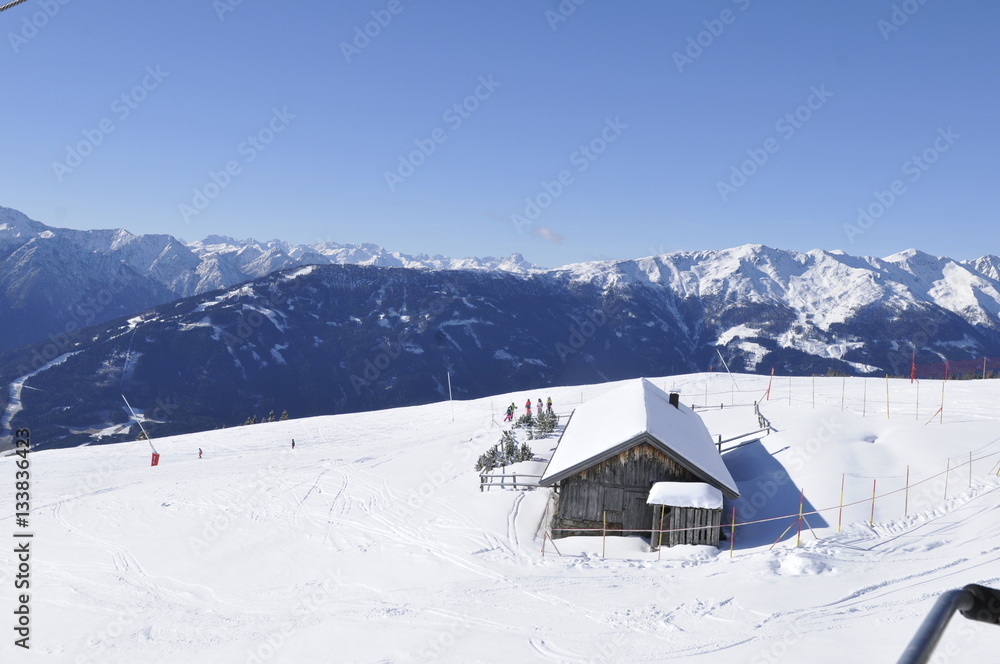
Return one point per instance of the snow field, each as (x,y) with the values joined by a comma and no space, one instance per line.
(372,542)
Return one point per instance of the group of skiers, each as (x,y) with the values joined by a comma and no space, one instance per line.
(527,409)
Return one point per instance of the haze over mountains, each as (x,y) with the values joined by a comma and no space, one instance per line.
(234,329)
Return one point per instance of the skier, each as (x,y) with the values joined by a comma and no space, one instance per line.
(527,407)
(549,403)
(293,443)
(199,452)
(540,407)
(510,413)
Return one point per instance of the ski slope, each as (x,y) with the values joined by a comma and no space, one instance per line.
(372,542)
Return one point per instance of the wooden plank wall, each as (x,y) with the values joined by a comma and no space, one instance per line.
(706,524)
(612,485)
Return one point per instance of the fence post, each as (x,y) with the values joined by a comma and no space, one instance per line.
(872,522)
(604,535)
(732,533)
(840,519)
(943,383)
(798,534)
(906,498)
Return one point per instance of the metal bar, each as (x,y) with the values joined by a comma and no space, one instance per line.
(922,644)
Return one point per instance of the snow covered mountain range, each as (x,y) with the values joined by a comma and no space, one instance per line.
(51,278)
(330,338)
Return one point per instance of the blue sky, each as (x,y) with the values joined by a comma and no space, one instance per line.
(704,125)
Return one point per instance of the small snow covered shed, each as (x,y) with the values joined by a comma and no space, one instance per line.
(690,512)
(617,447)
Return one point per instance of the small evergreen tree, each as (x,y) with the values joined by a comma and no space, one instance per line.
(504,453)
(509,446)
(284,415)
(525,453)
(545,424)
(270,416)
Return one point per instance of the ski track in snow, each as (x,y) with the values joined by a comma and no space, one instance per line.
(451,574)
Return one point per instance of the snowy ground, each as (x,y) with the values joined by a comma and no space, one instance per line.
(372,542)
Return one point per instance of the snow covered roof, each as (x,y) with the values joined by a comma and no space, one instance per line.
(636,412)
(685,494)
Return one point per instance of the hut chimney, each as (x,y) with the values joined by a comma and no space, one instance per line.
(675,399)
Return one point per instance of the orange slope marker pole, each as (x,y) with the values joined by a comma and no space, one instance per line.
(798,535)
(941,421)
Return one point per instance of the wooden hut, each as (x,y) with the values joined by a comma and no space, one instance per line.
(616,447)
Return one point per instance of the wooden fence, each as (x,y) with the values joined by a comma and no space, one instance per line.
(508,481)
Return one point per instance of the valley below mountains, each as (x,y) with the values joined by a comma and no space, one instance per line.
(204,335)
